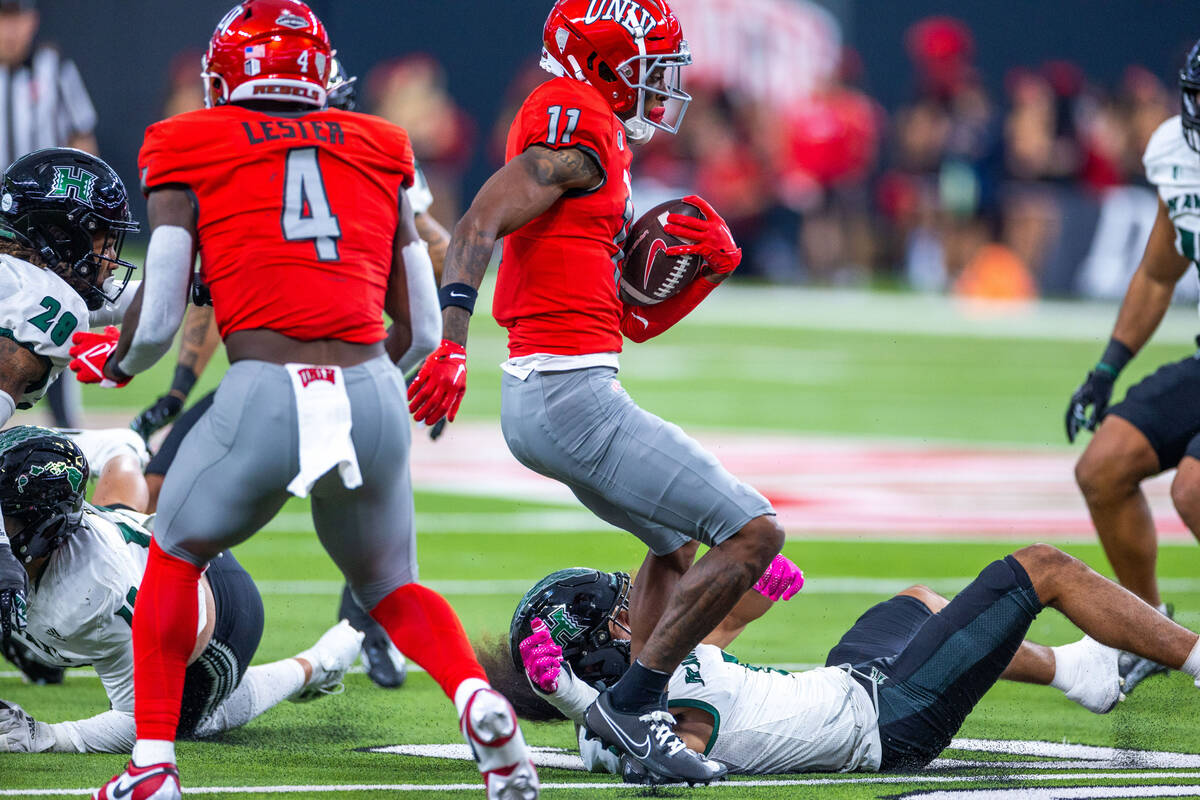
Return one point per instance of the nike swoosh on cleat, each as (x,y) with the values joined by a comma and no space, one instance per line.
(628,743)
(120,791)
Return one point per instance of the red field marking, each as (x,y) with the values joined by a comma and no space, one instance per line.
(826,486)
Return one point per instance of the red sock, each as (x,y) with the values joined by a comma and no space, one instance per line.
(164,635)
(425,628)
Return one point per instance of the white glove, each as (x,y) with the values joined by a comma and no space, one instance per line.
(21,733)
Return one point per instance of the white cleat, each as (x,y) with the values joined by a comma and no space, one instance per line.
(1097,684)
(330,657)
(489,725)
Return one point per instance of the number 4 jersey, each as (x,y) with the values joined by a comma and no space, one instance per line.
(296,214)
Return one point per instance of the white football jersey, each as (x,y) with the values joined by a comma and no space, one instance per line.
(80,610)
(1174,169)
(769,721)
(40,311)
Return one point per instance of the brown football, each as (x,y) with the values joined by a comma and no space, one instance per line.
(648,274)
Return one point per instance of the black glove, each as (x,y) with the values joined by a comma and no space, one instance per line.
(1096,391)
(13,581)
(164,409)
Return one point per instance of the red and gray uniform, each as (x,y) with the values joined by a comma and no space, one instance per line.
(296,218)
(564,414)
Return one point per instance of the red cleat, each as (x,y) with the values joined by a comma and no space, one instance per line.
(155,782)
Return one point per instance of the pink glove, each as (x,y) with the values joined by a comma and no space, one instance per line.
(781,581)
(542,657)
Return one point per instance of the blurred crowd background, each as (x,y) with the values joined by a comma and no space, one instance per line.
(988,150)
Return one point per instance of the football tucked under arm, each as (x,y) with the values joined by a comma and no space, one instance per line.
(642,323)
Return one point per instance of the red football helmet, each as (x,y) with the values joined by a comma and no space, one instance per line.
(267,50)
(626,49)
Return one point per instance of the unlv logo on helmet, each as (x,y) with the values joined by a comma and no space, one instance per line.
(289,20)
(629,14)
(631,51)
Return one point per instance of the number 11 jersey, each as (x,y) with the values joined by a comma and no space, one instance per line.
(296,214)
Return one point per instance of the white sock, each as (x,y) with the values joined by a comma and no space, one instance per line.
(1162,608)
(464,691)
(153,751)
(1192,665)
(1066,658)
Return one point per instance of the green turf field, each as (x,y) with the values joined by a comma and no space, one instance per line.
(729,369)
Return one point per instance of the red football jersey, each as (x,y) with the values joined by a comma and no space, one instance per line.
(297,214)
(557,287)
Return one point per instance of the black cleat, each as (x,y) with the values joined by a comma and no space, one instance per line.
(385,665)
(1134,669)
(633,772)
(649,739)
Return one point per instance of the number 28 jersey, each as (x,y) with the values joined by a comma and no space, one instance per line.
(296,214)
(556,291)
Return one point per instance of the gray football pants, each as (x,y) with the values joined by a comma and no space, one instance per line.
(629,467)
(233,467)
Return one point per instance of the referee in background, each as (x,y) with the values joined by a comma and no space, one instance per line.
(43,103)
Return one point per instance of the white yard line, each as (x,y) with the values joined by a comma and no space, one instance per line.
(729,784)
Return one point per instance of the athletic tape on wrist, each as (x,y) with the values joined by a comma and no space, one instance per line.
(459,295)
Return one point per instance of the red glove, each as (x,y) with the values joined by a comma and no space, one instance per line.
(711,238)
(91,352)
(542,657)
(439,387)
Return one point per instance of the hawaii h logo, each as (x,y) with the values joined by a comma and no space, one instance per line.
(73,182)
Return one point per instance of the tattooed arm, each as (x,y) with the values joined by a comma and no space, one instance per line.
(517,193)
(199,342)
(19,367)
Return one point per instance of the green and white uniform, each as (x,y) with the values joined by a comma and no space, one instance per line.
(1174,170)
(40,311)
(764,720)
(767,720)
(81,613)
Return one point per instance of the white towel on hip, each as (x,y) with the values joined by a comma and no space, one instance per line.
(323,416)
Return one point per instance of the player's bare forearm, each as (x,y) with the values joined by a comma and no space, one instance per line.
(519,192)
(438,239)
(466,262)
(200,339)
(1145,304)
(752,606)
(1153,284)
(19,367)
